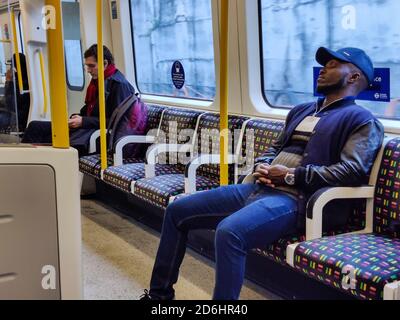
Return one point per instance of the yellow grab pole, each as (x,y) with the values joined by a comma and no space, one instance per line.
(102,100)
(16,50)
(44,83)
(224,178)
(57,79)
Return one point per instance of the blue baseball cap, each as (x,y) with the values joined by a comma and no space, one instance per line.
(351,55)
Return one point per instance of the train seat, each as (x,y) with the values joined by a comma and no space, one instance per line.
(259,135)
(91,164)
(173,123)
(277,251)
(160,190)
(366,265)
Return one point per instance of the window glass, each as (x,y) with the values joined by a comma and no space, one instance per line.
(73,46)
(8,113)
(292,31)
(174,40)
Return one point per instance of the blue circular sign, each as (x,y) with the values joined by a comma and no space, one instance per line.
(178,75)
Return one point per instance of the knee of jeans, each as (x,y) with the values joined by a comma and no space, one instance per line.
(227,235)
(176,211)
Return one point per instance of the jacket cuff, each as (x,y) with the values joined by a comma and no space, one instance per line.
(300,176)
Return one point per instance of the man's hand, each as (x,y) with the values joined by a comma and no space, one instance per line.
(75,122)
(278,173)
(262,175)
(272,176)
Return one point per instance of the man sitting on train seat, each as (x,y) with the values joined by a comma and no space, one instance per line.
(331,142)
(8,113)
(82,125)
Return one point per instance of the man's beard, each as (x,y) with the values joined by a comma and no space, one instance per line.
(325,90)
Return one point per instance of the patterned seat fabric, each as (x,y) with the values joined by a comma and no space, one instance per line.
(91,164)
(277,251)
(122,177)
(209,142)
(177,127)
(375,260)
(260,134)
(174,121)
(374,257)
(159,190)
(154,114)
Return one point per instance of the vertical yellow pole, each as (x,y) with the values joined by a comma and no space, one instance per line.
(102,102)
(57,79)
(224,179)
(44,83)
(16,50)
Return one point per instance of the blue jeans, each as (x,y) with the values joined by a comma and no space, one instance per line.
(244,216)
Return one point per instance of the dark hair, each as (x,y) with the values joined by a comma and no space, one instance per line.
(92,52)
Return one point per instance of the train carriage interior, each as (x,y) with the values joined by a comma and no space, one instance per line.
(193,94)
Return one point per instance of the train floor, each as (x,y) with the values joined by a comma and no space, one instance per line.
(118,256)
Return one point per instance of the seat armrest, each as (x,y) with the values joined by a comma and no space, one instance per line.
(93,140)
(191,168)
(322,197)
(155,150)
(249,179)
(122,143)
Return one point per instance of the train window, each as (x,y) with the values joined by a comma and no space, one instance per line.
(8,114)
(174,52)
(292,31)
(73,46)
(5,52)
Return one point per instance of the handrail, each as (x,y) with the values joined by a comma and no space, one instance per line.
(44,83)
(16,50)
(5,41)
(224,138)
(102,102)
(58,80)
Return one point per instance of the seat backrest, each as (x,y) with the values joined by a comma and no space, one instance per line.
(387,192)
(260,134)
(154,114)
(178,126)
(208,141)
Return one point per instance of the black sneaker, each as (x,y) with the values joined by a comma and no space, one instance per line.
(145,295)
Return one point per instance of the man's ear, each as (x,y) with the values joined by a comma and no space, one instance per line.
(105,64)
(355,77)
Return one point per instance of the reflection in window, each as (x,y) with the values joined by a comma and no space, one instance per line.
(293,30)
(73,54)
(169,31)
(72,45)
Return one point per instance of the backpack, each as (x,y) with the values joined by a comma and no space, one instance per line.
(129,118)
